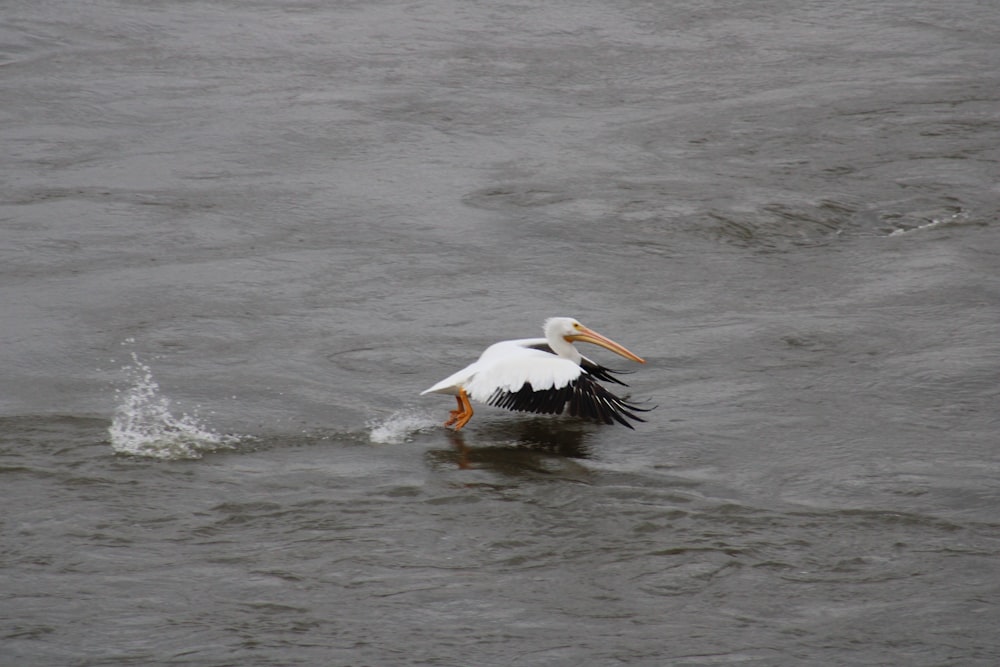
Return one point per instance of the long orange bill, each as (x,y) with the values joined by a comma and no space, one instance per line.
(586,335)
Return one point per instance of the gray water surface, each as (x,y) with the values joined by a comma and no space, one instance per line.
(237,239)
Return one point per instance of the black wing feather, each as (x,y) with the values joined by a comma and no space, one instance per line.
(602,372)
(584,397)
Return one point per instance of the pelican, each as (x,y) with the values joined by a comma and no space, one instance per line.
(541,375)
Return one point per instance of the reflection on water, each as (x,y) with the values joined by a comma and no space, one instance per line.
(516,446)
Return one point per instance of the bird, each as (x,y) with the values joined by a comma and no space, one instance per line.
(542,375)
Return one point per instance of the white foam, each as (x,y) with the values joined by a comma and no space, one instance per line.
(399,427)
(935,222)
(144,425)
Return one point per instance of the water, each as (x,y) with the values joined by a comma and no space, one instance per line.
(240,238)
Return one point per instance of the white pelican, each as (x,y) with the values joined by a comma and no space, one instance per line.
(542,375)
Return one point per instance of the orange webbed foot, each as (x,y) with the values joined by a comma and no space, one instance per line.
(463,414)
(455,414)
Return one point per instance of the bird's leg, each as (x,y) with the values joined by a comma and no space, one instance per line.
(455,414)
(465,410)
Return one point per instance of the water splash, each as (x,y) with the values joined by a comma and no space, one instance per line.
(143,424)
(399,427)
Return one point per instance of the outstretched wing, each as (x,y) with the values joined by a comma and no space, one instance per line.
(583,397)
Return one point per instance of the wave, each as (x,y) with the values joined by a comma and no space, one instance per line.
(930,223)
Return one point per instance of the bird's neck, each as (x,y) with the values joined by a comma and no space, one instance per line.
(564,349)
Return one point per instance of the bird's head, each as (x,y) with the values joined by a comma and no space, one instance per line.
(571,330)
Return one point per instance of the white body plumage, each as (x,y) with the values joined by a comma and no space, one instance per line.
(543,375)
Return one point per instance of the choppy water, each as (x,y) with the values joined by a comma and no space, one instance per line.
(238,238)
